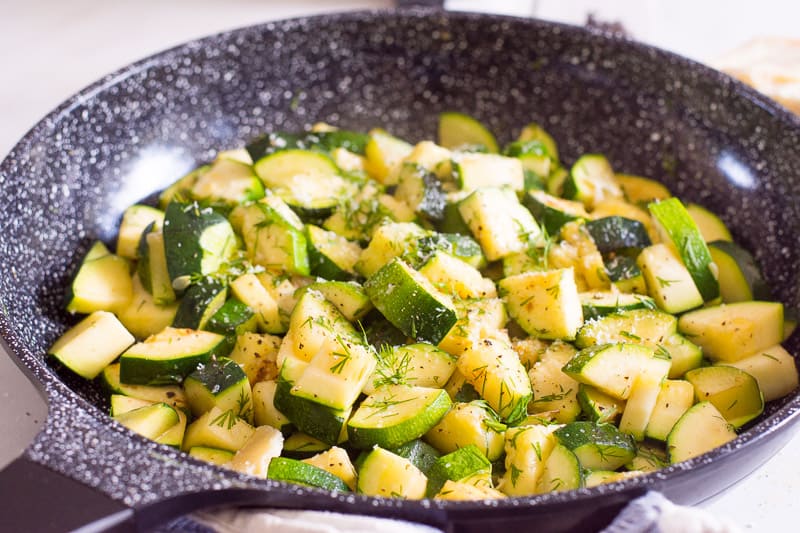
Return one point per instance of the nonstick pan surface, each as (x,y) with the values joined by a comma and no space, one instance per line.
(710,139)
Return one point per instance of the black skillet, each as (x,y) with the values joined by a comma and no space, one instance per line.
(710,139)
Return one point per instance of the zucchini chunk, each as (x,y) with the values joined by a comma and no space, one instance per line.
(102,283)
(152,267)
(92,344)
(232,320)
(420,453)
(545,304)
(773,368)
(219,383)
(456,277)
(598,406)
(143,316)
(256,454)
(499,222)
(331,256)
(251,292)
(701,429)
(150,421)
(494,370)
(527,448)
(739,277)
(257,355)
(641,402)
(562,471)
(732,391)
(625,274)
(300,473)
(468,424)
(388,241)
(668,280)
(134,221)
(591,180)
(674,399)
(122,404)
(410,302)
(199,303)
(709,224)
(457,130)
(395,415)
(218,429)
(308,181)
(685,354)
(459,490)
(197,240)
(301,446)
(274,236)
(171,395)
(467,465)
(612,368)
(168,357)
(462,247)
(645,326)
(264,411)
(616,233)
(534,132)
(552,212)
(338,361)
(384,154)
(317,420)
(641,191)
(601,303)
(731,332)
(420,364)
(553,390)
(386,474)
(650,457)
(474,171)
(228,181)
(679,231)
(350,298)
(536,161)
(174,435)
(421,191)
(336,461)
(597,446)
(211,455)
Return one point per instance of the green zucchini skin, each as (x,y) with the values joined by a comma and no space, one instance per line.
(460,464)
(300,473)
(319,421)
(323,141)
(219,383)
(168,357)
(231,320)
(420,453)
(199,303)
(598,446)
(679,227)
(615,233)
(196,240)
(410,302)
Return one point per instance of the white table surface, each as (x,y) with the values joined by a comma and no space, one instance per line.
(51,49)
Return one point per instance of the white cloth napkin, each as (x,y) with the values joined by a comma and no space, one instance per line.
(651,513)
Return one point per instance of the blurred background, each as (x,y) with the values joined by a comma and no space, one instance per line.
(52,48)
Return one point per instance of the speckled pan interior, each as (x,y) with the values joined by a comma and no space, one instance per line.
(710,139)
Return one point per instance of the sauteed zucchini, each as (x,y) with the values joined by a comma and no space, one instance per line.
(353,312)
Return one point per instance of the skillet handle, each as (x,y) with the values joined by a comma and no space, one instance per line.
(36,498)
